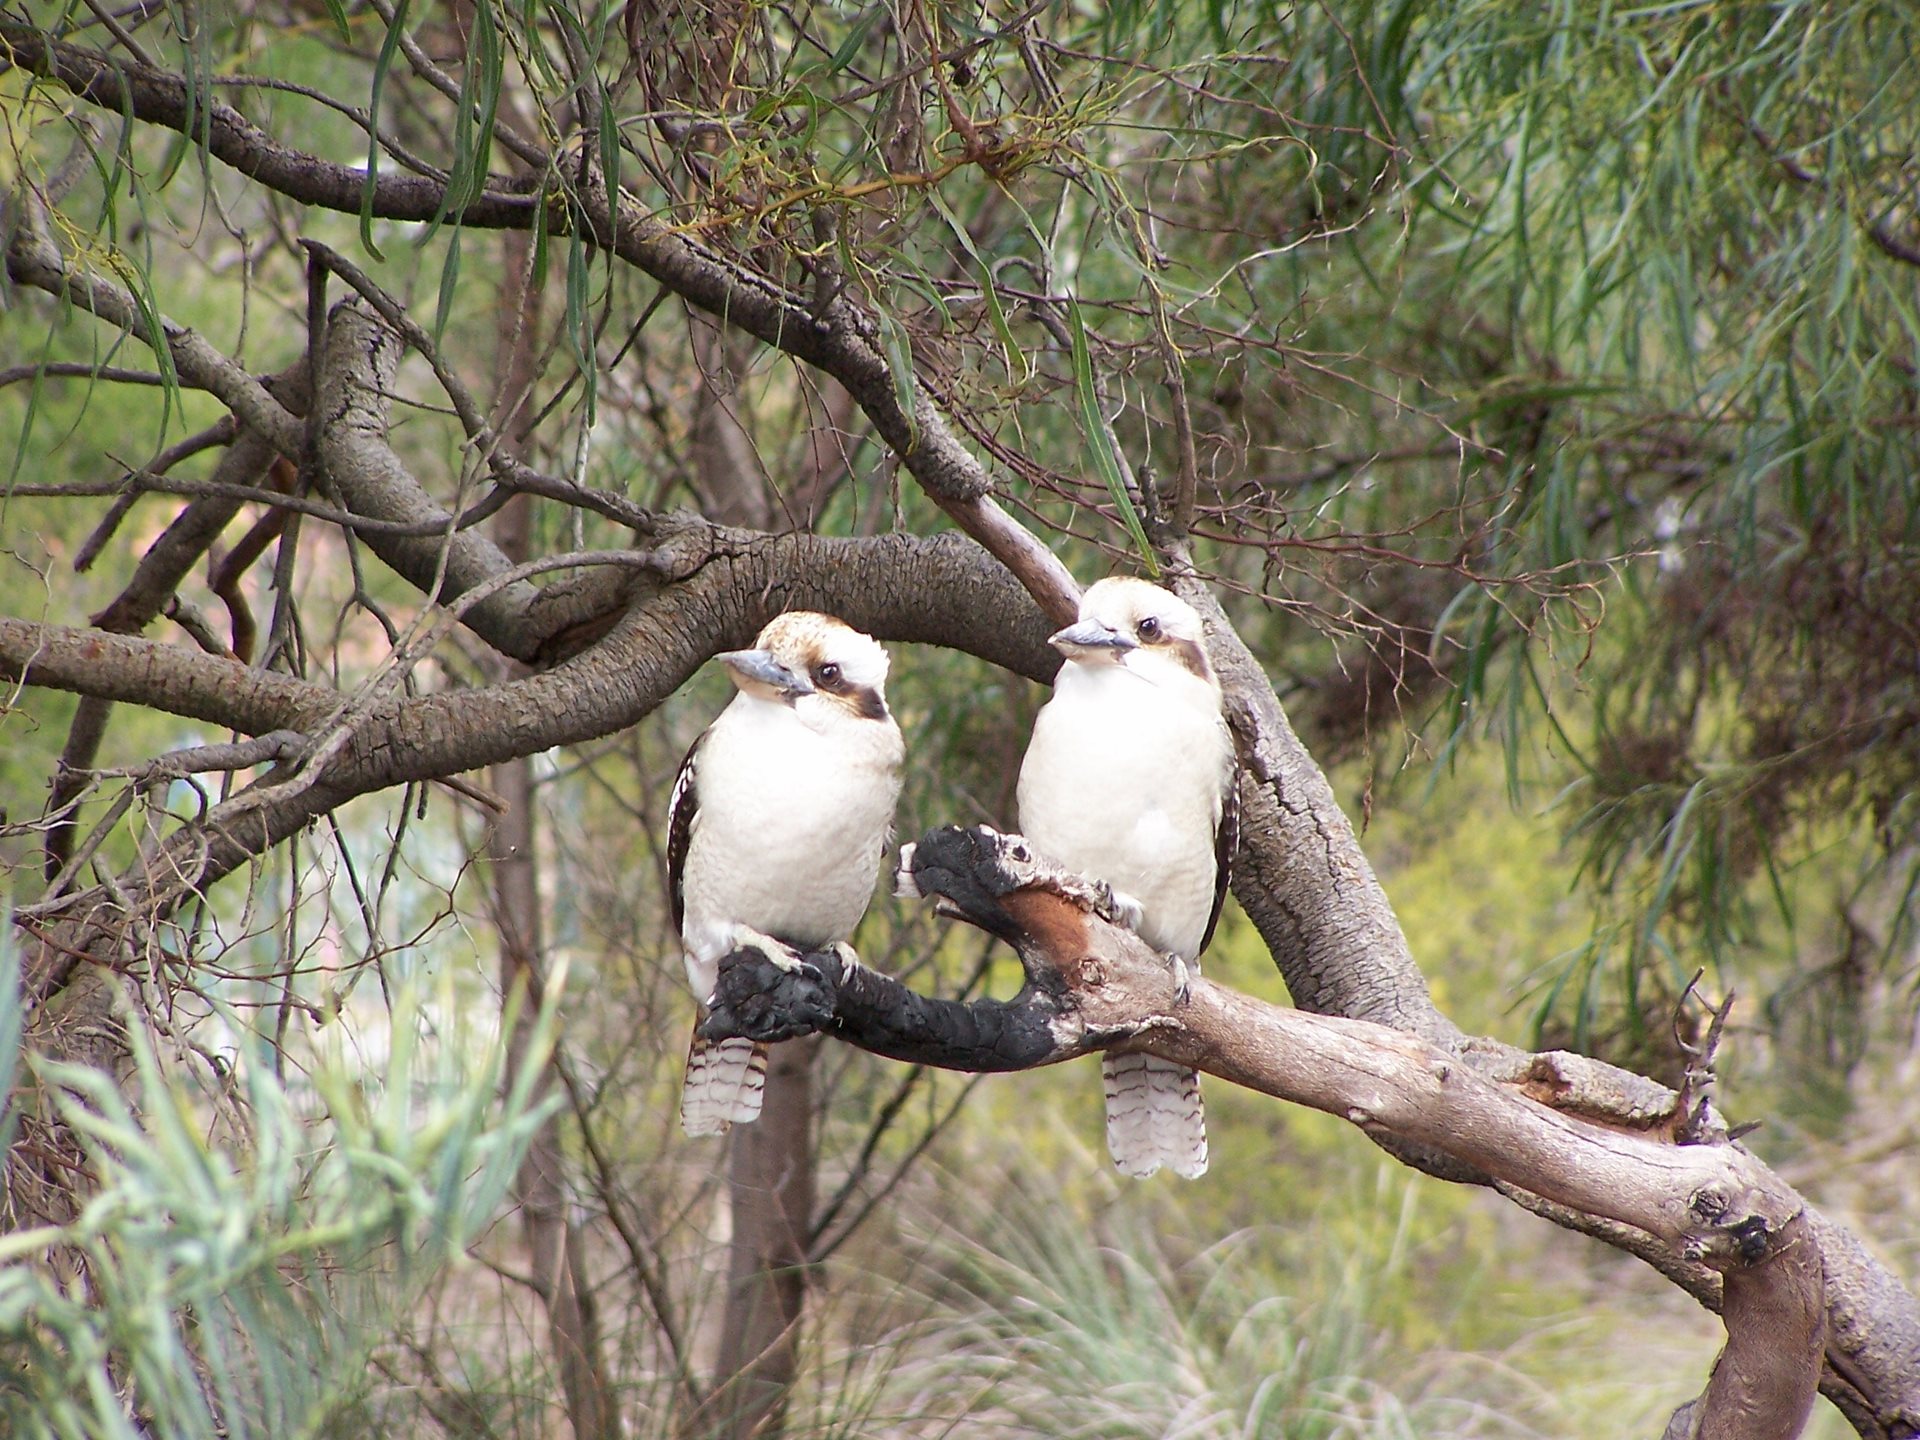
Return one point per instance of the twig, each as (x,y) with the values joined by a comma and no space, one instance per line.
(189,617)
(221,432)
(275,745)
(122,34)
(1693,1106)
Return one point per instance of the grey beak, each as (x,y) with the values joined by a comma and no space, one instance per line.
(758,667)
(1090,637)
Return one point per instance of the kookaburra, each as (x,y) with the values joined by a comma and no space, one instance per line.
(780,815)
(1129,779)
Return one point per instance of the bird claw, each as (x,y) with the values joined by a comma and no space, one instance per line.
(1182,980)
(905,887)
(1127,911)
(782,955)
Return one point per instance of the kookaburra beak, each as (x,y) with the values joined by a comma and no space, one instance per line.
(757,671)
(1091,639)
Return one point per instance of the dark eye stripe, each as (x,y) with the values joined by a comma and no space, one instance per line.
(1193,657)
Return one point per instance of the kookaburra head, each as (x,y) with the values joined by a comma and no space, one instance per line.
(827,671)
(1136,625)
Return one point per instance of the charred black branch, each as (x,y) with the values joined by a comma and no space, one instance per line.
(836,995)
(988,879)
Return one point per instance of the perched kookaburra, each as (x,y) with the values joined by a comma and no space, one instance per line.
(780,815)
(1129,779)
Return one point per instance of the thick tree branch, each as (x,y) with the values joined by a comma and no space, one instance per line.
(169,678)
(721,588)
(163,98)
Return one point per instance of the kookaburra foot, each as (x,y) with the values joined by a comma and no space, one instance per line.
(1127,911)
(745,937)
(1182,979)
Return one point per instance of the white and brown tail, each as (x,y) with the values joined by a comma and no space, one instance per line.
(724,1084)
(1154,1116)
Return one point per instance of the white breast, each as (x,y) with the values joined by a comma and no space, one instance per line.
(791,825)
(1124,781)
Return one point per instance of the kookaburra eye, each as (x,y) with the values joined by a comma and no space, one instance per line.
(1149,629)
(828,674)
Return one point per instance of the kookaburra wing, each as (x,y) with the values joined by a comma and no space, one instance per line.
(1129,779)
(780,815)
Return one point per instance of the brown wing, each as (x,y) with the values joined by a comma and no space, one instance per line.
(681,809)
(1226,836)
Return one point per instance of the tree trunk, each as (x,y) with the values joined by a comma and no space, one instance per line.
(770,1181)
(770,1164)
(554,1243)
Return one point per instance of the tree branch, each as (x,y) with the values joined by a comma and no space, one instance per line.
(719,588)
(163,98)
(1092,985)
(351,394)
(33,259)
(839,339)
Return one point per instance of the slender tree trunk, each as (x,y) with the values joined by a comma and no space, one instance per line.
(770,1179)
(554,1243)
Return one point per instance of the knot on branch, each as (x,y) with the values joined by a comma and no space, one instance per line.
(1738,1227)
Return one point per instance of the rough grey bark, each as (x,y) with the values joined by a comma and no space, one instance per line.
(1300,873)
(352,399)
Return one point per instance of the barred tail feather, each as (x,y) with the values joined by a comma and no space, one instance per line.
(1154,1116)
(725,1080)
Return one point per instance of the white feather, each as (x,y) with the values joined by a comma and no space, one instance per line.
(724,1085)
(1126,780)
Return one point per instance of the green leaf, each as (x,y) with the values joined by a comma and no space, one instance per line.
(856,37)
(1100,438)
(383,62)
(898,348)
